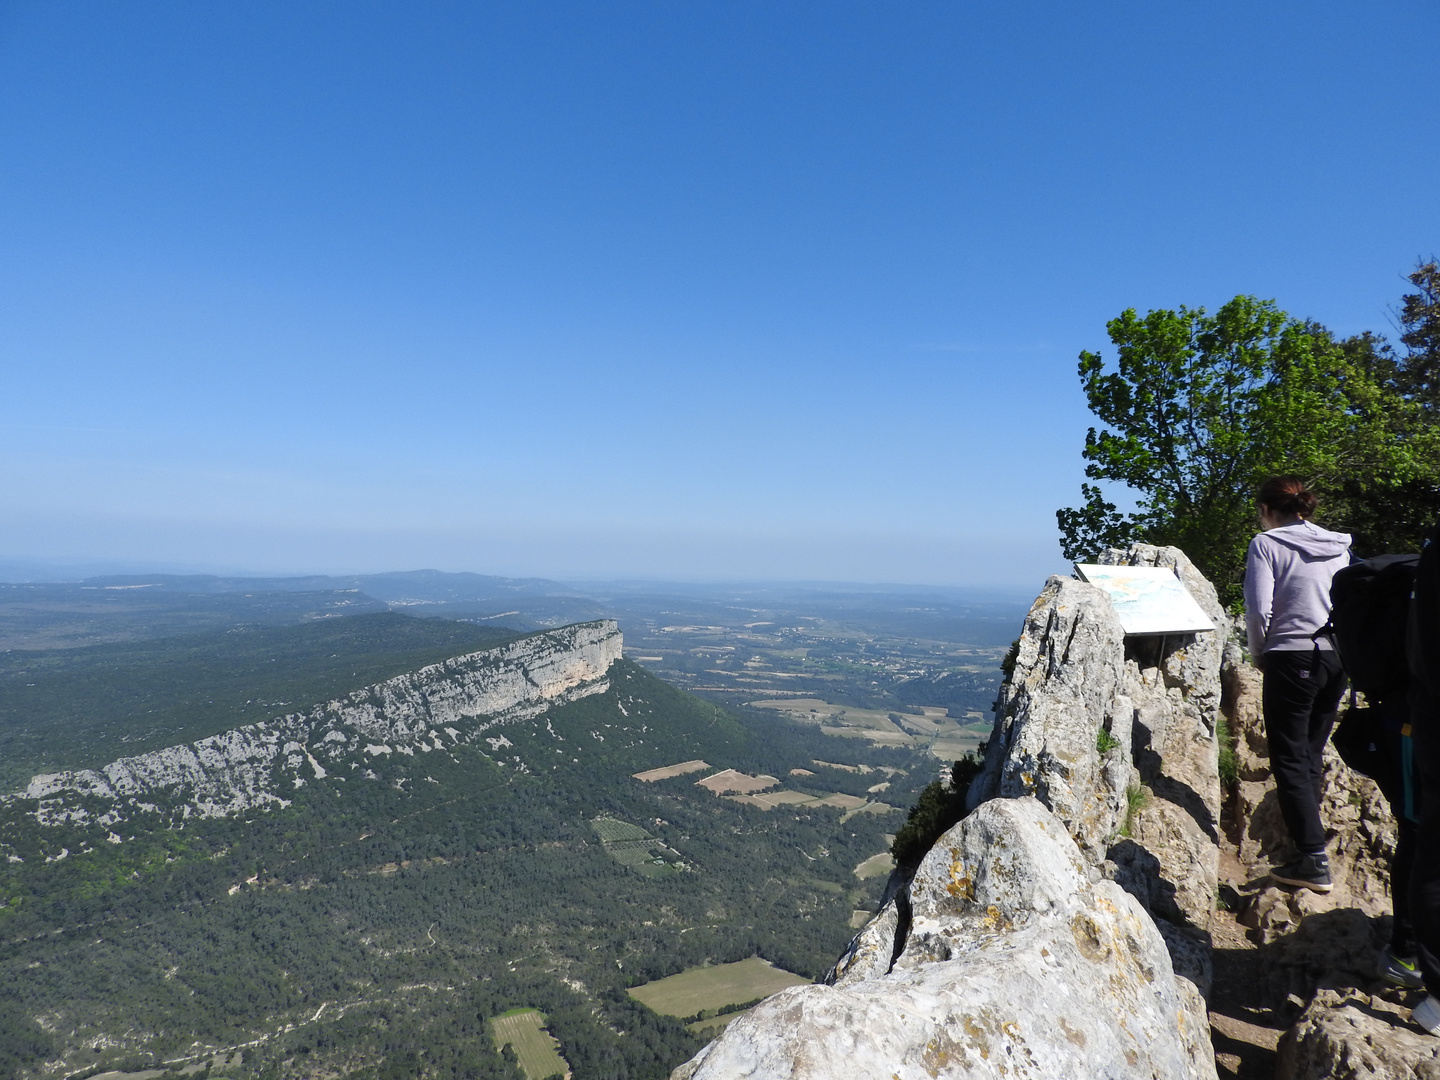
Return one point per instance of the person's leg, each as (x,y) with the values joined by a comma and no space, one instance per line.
(1425,865)
(1328,676)
(1288,696)
(1402,934)
(1397,962)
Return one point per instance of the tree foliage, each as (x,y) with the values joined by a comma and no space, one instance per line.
(935,812)
(1198,409)
(1420,334)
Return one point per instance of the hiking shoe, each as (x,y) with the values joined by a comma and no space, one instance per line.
(1307,871)
(1427,1015)
(1399,970)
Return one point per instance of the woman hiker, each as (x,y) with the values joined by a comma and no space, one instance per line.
(1287,598)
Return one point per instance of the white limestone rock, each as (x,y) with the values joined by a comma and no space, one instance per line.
(247,767)
(1358,1036)
(1014,955)
(1018,964)
(1075,673)
(1065,686)
(871,951)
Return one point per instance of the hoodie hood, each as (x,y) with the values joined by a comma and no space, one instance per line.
(1310,540)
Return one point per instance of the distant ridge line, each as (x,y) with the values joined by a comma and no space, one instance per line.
(256,765)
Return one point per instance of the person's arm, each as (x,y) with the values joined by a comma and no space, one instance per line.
(1259,598)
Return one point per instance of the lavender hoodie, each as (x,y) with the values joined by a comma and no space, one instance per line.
(1287,585)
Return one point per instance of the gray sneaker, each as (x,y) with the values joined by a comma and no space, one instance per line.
(1427,1015)
(1399,970)
(1307,872)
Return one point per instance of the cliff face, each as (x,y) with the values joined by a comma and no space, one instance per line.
(1061,929)
(423,711)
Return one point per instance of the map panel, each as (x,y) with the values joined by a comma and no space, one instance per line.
(1150,600)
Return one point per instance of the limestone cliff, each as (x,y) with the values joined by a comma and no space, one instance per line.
(423,711)
(1061,929)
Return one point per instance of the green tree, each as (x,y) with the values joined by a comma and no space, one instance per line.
(938,808)
(1420,334)
(1200,408)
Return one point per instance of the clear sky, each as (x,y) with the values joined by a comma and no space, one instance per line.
(677,289)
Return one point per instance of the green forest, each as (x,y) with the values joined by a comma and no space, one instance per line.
(374,926)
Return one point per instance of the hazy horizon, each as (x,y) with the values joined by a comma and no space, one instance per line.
(20,571)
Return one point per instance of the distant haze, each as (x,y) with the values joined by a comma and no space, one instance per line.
(567,554)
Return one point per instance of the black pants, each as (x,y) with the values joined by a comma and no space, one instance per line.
(1300,696)
(1388,719)
(1425,871)
(1402,870)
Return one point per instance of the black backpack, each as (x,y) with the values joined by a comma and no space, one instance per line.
(1369,610)
(1369,613)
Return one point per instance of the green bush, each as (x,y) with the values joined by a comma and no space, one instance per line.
(937,810)
(1229,764)
(1136,796)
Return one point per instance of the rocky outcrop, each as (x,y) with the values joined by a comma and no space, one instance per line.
(1143,798)
(258,764)
(1061,929)
(1358,1036)
(1021,961)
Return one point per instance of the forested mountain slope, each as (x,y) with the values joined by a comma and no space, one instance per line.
(372,923)
(78,708)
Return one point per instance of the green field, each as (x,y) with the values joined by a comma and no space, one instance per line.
(611,830)
(925,728)
(632,846)
(714,987)
(524,1030)
(876,866)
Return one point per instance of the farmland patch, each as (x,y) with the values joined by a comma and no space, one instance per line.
(669,771)
(537,1049)
(875,866)
(927,728)
(632,846)
(705,988)
(732,782)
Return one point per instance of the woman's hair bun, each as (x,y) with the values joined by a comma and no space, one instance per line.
(1287,495)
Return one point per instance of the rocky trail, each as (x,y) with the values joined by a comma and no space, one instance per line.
(1295,995)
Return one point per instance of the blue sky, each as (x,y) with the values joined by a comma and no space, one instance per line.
(682,289)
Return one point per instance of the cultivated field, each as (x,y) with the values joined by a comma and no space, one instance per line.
(851,804)
(632,846)
(611,830)
(731,781)
(524,1029)
(714,987)
(924,727)
(875,866)
(651,775)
